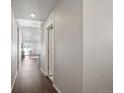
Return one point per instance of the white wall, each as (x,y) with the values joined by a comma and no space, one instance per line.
(44,54)
(83,46)
(69,46)
(97,44)
(13,47)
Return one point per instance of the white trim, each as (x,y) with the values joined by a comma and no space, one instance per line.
(51,78)
(14,80)
(43,71)
(56,88)
(51,23)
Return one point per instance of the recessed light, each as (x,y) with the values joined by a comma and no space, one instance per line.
(32,15)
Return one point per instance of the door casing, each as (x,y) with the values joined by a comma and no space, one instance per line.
(48,28)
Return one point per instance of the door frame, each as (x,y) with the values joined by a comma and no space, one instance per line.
(18,48)
(51,24)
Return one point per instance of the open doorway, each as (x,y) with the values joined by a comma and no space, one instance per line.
(50,47)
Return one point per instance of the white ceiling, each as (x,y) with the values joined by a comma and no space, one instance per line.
(41,8)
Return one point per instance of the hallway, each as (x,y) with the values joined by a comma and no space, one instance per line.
(31,80)
(66,46)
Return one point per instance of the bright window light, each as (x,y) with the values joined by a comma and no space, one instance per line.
(32,15)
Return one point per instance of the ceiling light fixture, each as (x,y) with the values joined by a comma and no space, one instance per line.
(32,15)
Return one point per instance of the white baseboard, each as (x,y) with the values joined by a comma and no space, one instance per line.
(51,78)
(56,88)
(14,80)
(43,71)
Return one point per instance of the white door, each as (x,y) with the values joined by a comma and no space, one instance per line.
(51,53)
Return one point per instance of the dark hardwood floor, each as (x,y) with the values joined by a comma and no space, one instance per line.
(31,80)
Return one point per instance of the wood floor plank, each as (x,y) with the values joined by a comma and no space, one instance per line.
(31,80)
